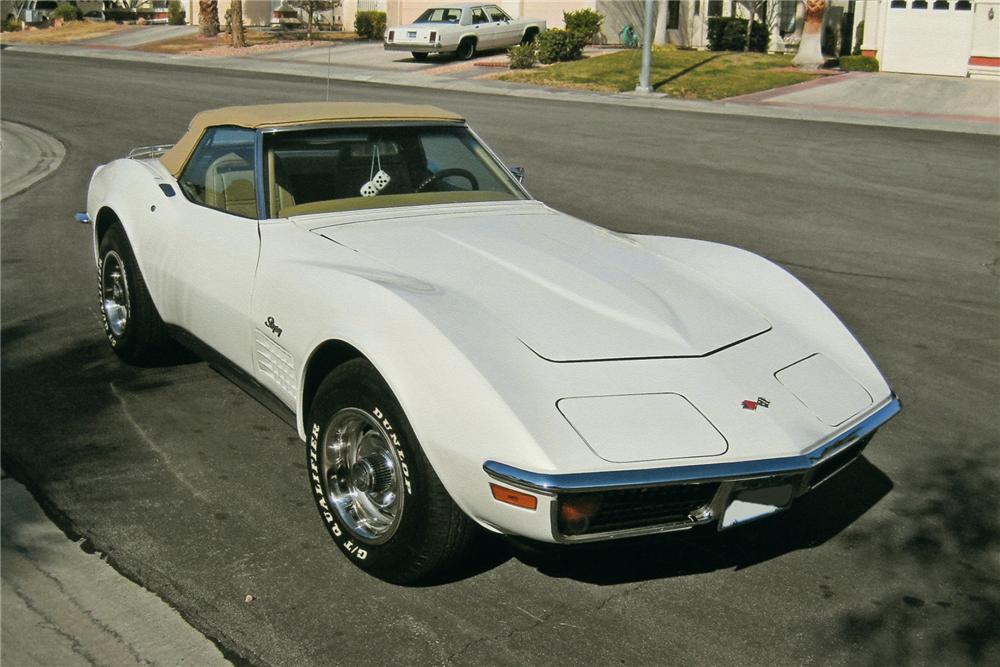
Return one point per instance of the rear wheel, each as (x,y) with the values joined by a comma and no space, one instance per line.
(377,494)
(419,56)
(467,48)
(133,327)
(529,36)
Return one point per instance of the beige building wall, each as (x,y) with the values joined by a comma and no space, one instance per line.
(551,10)
(255,12)
(404,11)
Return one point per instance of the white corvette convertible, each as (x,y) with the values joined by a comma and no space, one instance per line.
(455,353)
(462,29)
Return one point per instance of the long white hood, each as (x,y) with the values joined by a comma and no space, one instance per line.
(568,290)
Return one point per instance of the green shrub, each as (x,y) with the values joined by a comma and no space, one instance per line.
(10,25)
(370,25)
(556,46)
(584,22)
(66,12)
(522,56)
(728,33)
(175,13)
(858,64)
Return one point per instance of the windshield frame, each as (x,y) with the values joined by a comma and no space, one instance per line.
(263,177)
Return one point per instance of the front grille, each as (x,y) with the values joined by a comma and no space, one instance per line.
(605,511)
(831,466)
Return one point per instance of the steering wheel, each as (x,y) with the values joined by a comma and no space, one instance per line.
(445,173)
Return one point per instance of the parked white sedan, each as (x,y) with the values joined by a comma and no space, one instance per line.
(456,353)
(462,29)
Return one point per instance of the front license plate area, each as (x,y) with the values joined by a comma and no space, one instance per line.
(751,504)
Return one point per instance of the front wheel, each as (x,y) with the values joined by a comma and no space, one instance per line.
(377,494)
(131,323)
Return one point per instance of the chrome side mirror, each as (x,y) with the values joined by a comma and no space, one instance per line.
(518,173)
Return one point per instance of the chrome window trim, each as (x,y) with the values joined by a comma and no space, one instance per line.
(258,158)
(359,124)
(503,165)
(554,483)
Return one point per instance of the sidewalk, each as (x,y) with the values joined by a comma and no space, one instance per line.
(888,94)
(140,35)
(905,101)
(60,602)
(63,605)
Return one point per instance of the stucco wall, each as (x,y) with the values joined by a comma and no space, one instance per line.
(255,12)
(404,11)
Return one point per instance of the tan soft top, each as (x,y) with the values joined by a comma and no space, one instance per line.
(299,113)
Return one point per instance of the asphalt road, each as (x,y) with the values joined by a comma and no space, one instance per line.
(197,492)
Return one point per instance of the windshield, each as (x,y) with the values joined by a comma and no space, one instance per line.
(343,169)
(440,16)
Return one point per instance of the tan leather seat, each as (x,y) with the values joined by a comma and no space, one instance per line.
(281,196)
(229,186)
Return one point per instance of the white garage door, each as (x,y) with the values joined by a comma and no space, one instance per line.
(928,37)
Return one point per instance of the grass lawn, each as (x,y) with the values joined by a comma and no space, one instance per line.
(705,75)
(195,43)
(70,31)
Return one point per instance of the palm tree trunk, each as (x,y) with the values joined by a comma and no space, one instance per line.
(239,38)
(208,17)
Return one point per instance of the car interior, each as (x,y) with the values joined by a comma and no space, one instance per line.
(335,169)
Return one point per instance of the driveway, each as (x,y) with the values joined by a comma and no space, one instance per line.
(372,56)
(138,35)
(912,95)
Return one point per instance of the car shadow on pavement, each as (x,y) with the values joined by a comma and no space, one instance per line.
(814,519)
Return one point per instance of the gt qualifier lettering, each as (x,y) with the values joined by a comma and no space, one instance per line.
(331,523)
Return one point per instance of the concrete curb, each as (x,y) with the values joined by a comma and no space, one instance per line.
(487,87)
(63,605)
(28,155)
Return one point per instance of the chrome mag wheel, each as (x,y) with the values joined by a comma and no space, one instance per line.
(114,293)
(364,482)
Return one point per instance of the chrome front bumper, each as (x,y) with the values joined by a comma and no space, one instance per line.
(734,480)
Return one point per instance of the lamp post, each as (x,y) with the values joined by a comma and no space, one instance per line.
(647,51)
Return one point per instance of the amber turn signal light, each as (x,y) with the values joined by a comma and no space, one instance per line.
(512,497)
